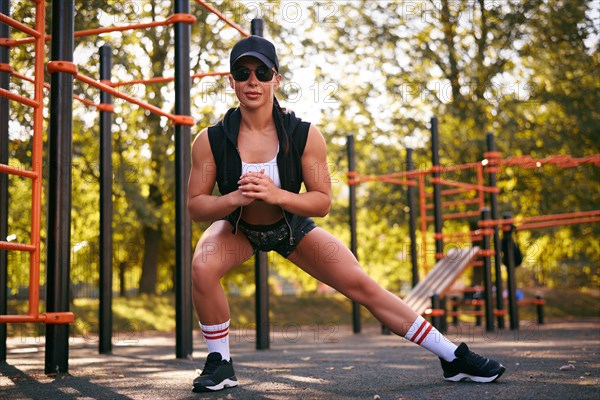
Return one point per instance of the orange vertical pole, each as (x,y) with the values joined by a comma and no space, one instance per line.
(423,211)
(36,160)
(480,193)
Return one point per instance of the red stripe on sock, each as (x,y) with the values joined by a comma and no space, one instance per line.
(416,335)
(216,337)
(424,335)
(214,332)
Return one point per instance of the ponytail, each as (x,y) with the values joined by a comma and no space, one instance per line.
(280,126)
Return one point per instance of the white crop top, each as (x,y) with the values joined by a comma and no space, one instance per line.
(270,168)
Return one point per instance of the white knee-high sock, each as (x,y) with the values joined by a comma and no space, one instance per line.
(425,335)
(217,338)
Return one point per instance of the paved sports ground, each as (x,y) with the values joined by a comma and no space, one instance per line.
(558,360)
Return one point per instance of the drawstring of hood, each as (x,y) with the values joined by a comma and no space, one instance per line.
(292,134)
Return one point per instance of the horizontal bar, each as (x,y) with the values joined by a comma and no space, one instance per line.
(19,98)
(488,189)
(548,224)
(448,192)
(452,168)
(187,18)
(19,25)
(578,214)
(447,204)
(47,318)
(540,218)
(7,169)
(165,79)
(398,181)
(17,246)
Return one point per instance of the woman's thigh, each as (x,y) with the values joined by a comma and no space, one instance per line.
(219,250)
(326,258)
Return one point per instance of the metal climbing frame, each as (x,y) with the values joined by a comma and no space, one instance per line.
(35,173)
(63,72)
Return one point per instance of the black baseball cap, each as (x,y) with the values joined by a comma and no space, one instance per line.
(257,47)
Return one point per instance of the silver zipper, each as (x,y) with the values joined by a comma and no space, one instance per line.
(241,207)
(289,226)
(238,220)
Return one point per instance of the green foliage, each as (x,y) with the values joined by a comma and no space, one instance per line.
(525,70)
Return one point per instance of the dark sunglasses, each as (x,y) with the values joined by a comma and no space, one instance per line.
(263,73)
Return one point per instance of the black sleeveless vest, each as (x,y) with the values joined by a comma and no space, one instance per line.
(223,143)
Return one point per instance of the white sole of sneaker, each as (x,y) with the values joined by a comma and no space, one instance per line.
(479,379)
(227,383)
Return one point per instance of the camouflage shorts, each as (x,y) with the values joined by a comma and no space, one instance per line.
(276,236)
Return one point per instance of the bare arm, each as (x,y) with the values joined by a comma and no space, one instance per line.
(316,201)
(202,205)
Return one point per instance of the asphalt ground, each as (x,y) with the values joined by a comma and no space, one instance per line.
(558,360)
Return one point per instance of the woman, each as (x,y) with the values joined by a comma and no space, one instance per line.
(259,155)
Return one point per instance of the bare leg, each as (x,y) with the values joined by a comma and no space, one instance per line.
(217,252)
(326,258)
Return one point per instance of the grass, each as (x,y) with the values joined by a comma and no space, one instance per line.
(157,313)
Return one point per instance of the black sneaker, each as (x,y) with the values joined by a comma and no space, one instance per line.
(471,366)
(217,375)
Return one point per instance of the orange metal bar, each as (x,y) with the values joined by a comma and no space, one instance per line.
(177,119)
(541,218)
(456,235)
(451,168)
(448,204)
(46,318)
(187,18)
(101,107)
(37,160)
(19,25)
(547,224)
(26,78)
(466,214)
(528,302)
(164,79)
(450,192)
(17,246)
(388,178)
(564,161)
(487,189)
(435,312)
(399,182)
(7,169)
(560,216)
(222,17)
(6,68)
(423,221)
(18,98)
(480,182)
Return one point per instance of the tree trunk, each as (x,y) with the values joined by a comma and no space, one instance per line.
(122,288)
(150,264)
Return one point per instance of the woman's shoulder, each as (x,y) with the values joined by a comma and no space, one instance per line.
(201,138)
(295,123)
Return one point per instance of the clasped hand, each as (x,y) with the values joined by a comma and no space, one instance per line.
(257,186)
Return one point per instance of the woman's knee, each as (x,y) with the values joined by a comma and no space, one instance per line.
(362,289)
(205,273)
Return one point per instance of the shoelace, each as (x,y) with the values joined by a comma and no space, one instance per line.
(475,359)
(209,367)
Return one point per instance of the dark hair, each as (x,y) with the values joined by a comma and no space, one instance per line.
(278,114)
